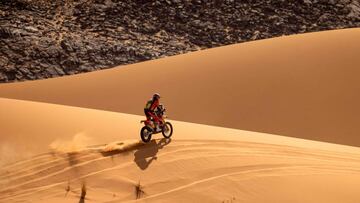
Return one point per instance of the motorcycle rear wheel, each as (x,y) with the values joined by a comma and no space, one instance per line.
(146,133)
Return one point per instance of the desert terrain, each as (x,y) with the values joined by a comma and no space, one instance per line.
(252,122)
(99,158)
(302,86)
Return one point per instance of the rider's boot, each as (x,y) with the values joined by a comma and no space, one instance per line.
(157,126)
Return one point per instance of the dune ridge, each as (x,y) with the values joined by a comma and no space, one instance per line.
(58,153)
(302,86)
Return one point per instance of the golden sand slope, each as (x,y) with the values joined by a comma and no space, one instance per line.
(199,164)
(302,86)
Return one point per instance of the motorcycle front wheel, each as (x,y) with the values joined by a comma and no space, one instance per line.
(146,133)
(167,130)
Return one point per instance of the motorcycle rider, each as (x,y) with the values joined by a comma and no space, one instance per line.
(150,108)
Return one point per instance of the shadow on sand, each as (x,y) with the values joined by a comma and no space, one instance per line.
(146,154)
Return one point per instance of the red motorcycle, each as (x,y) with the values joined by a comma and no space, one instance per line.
(150,128)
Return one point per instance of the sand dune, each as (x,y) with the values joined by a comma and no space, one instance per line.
(200,162)
(302,86)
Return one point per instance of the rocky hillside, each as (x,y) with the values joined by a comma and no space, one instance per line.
(49,38)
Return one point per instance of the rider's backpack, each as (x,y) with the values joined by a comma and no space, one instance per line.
(148,104)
